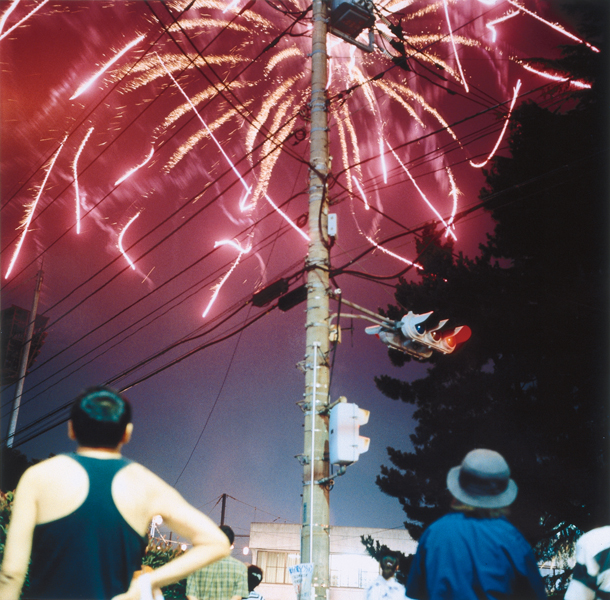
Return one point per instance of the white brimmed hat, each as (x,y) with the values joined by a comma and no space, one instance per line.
(482,480)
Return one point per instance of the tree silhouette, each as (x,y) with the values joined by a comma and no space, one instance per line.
(531,383)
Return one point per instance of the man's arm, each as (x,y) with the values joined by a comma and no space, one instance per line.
(209,542)
(19,538)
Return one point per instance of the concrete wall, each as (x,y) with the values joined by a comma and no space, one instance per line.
(286,592)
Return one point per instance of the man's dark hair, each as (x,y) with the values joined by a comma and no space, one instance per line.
(99,417)
(390,555)
(228,532)
(255,576)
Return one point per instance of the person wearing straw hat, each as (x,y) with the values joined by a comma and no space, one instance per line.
(474,553)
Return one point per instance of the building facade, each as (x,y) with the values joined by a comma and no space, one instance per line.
(275,547)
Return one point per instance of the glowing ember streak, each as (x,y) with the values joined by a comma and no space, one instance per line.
(382,157)
(31,209)
(510,110)
(554,26)
(390,253)
(86,85)
(8,12)
(217,288)
(583,85)
(287,219)
(75,171)
(120,242)
(362,194)
(230,7)
(148,275)
(246,187)
(422,194)
(457,58)
(132,171)
(454,194)
(491,25)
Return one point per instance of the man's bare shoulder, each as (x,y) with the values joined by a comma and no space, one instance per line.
(143,479)
(144,476)
(48,468)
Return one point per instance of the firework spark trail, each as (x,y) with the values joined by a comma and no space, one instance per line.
(6,15)
(501,136)
(271,149)
(287,218)
(120,241)
(199,135)
(217,287)
(421,193)
(457,57)
(491,25)
(32,208)
(75,171)
(343,124)
(583,85)
(390,253)
(362,194)
(365,84)
(237,173)
(554,26)
(267,106)
(38,7)
(88,83)
(132,171)
(399,88)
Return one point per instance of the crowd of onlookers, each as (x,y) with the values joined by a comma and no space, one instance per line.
(80,520)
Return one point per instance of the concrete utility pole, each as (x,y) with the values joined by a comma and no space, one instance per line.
(23,364)
(315,544)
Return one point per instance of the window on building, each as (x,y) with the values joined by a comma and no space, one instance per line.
(352,571)
(275,565)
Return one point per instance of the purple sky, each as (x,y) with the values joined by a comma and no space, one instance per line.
(224,420)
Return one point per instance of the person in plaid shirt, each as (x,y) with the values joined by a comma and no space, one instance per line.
(226,579)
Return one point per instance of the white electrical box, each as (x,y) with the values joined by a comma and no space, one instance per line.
(332,225)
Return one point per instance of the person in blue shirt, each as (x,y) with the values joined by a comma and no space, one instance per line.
(474,553)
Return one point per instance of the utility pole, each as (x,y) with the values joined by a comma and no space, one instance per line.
(315,539)
(223,508)
(23,364)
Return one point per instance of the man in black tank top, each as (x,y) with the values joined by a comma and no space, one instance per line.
(83,517)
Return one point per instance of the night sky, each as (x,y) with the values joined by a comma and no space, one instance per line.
(224,418)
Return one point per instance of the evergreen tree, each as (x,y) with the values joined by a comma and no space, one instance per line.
(531,383)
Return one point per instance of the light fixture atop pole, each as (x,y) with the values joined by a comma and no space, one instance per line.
(349,18)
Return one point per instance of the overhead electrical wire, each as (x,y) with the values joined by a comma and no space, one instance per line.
(371,248)
(136,243)
(128,307)
(260,243)
(341,270)
(63,419)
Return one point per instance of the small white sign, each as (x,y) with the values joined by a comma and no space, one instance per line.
(301,576)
